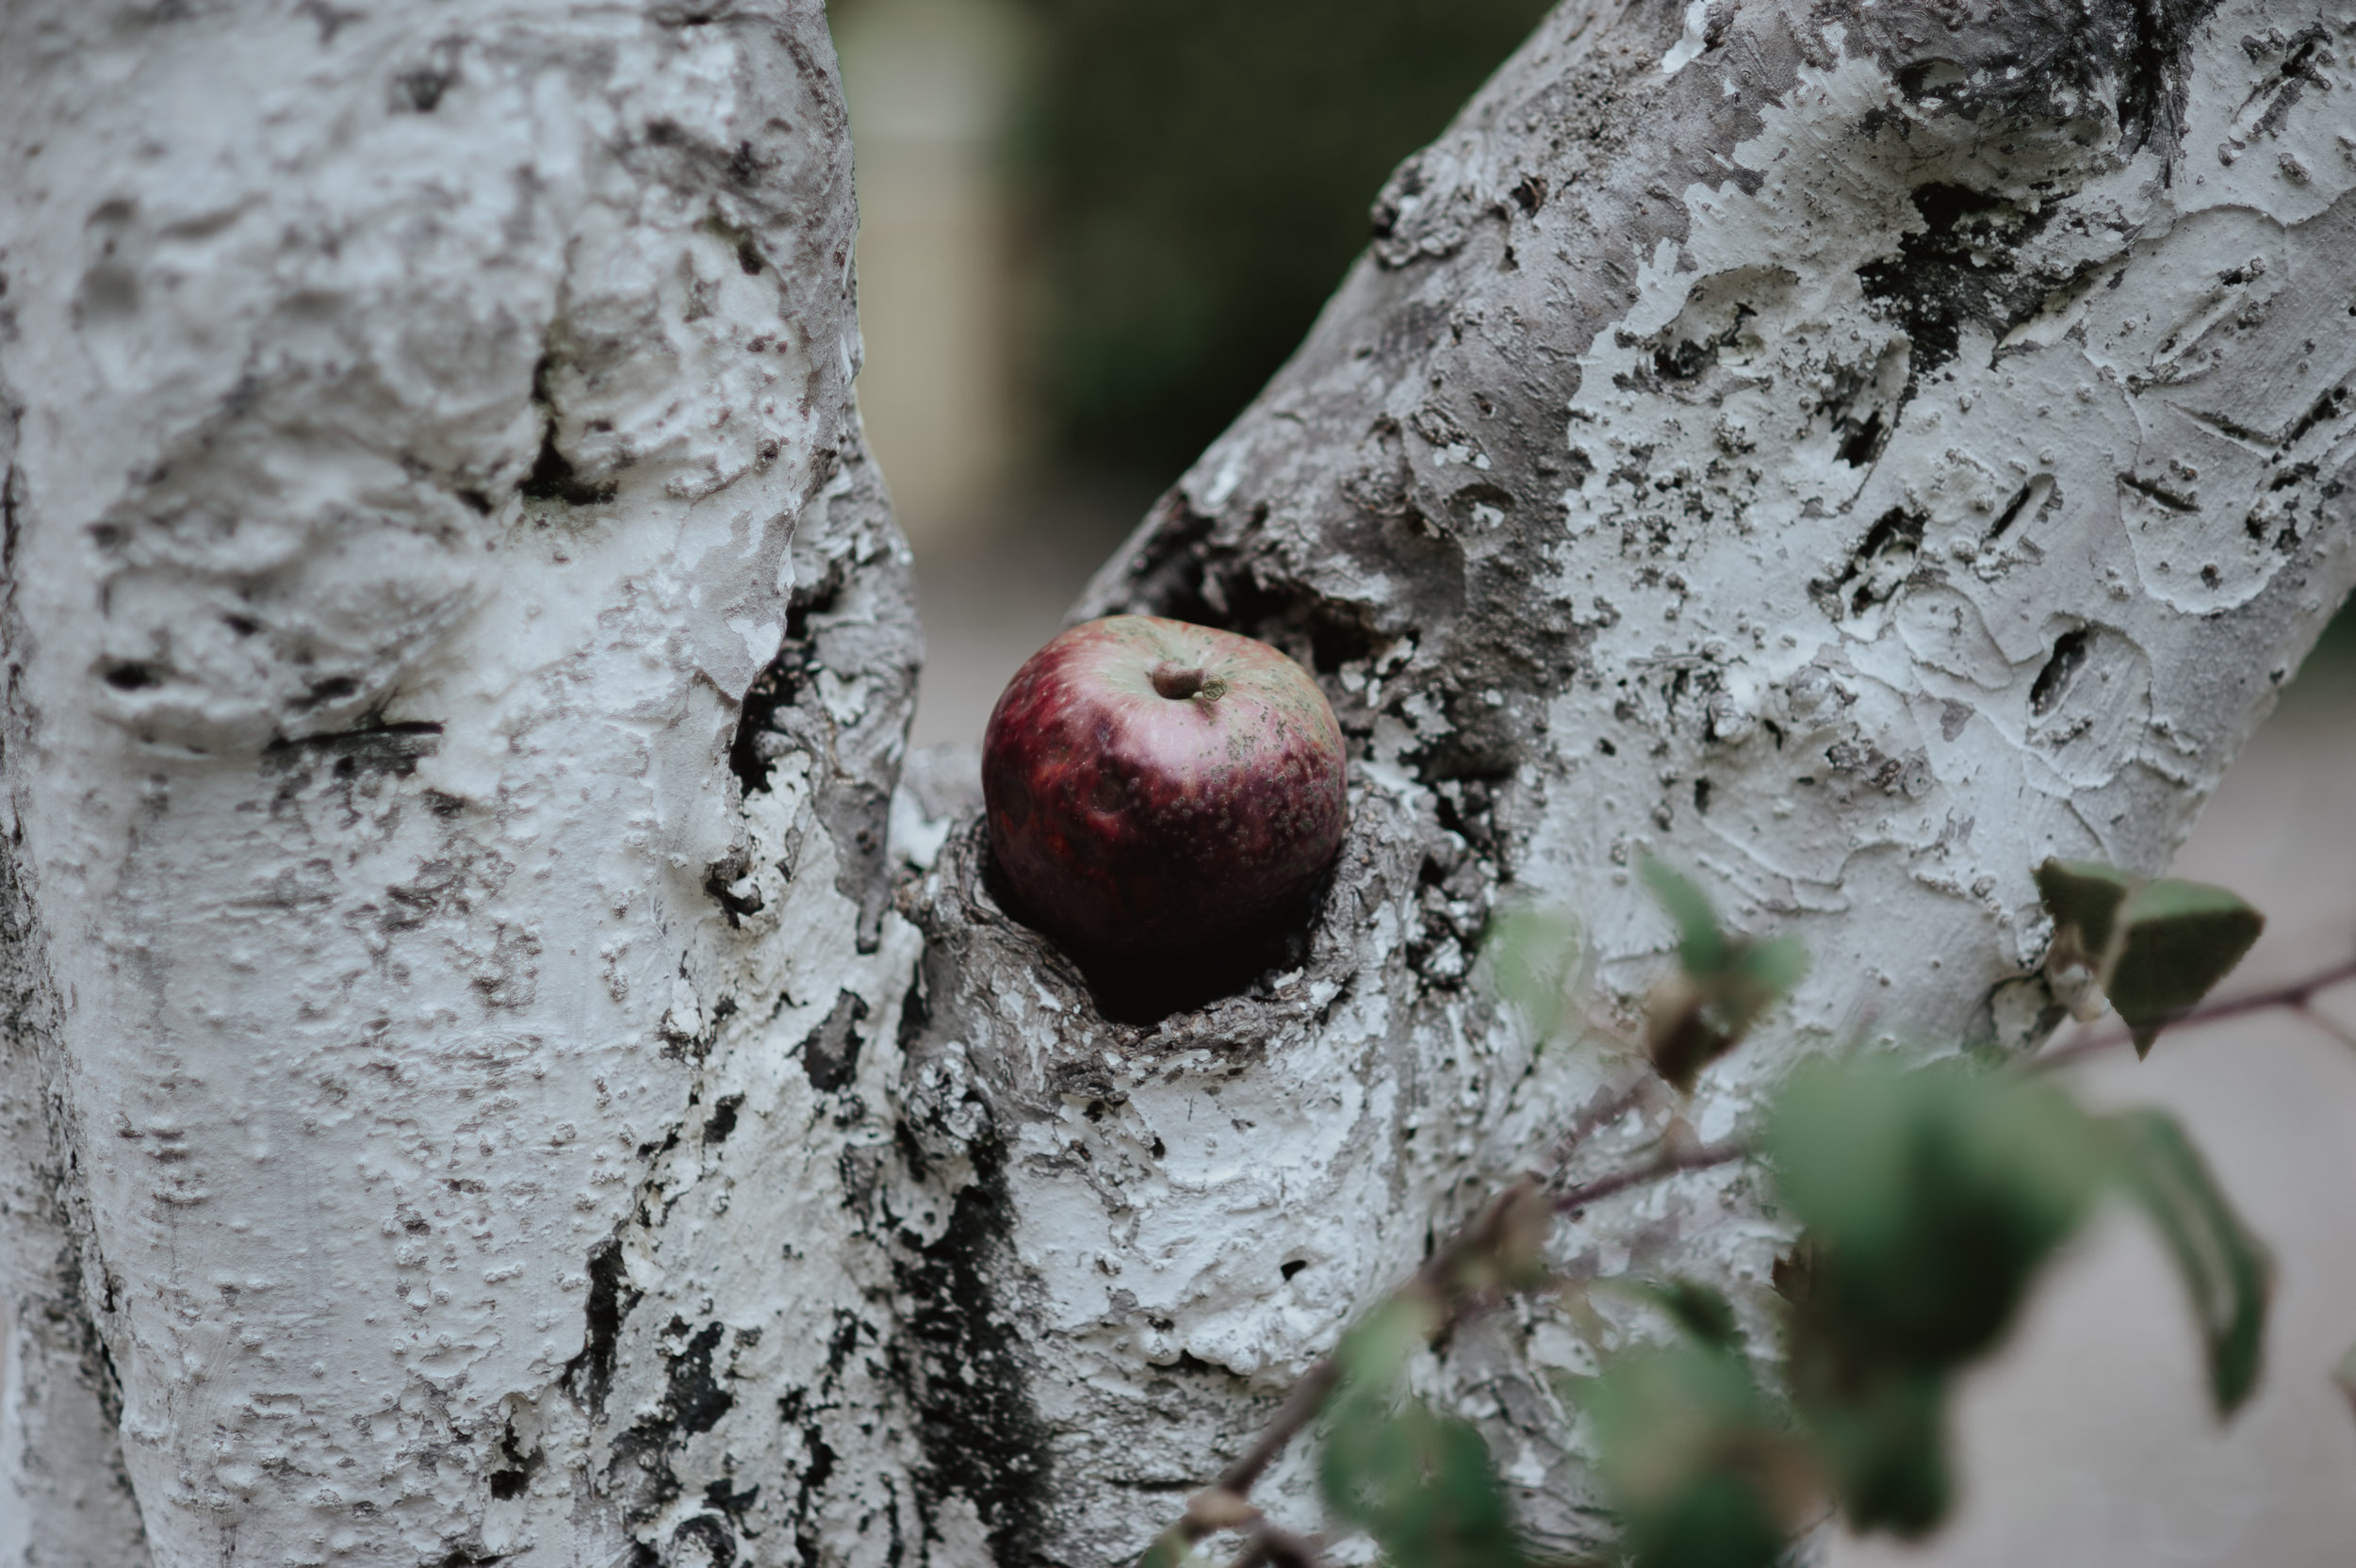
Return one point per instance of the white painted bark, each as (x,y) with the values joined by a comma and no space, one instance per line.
(1852,453)
(472,1095)
(409,412)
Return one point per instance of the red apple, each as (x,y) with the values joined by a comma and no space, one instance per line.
(1156,787)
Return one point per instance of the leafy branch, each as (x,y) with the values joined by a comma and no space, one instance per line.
(2296,996)
(1927,1199)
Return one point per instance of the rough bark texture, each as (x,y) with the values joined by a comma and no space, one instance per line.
(458,662)
(1850,452)
(470,1091)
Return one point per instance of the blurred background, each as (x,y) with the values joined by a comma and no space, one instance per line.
(1092,229)
(1089,231)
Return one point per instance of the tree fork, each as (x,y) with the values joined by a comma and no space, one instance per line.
(1850,452)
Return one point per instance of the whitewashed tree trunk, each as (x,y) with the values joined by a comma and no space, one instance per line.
(473,1090)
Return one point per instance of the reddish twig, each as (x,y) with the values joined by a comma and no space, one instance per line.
(1299,1408)
(2326,1022)
(1672,1162)
(2297,995)
(1224,1504)
(1607,1108)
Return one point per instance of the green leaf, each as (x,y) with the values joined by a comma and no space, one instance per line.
(1929,1200)
(1769,969)
(1699,1310)
(1681,1037)
(1726,982)
(1374,1352)
(1537,960)
(2155,948)
(1421,1484)
(1702,1473)
(1884,1441)
(2085,895)
(1168,1550)
(2176,941)
(2225,1268)
(1931,1197)
(1701,947)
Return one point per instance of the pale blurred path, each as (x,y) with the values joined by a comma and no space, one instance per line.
(2089,1443)
(992,595)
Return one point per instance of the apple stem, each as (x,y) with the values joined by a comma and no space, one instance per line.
(1176,682)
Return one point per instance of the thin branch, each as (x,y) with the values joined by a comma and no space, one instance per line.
(2326,1022)
(1668,1163)
(2296,995)
(1278,1548)
(1607,1108)
(1299,1408)
(1224,1504)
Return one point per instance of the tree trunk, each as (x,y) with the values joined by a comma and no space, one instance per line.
(441,805)
(473,1093)
(1852,456)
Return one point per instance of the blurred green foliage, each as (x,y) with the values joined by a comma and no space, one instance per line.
(1704,1469)
(1927,1198)
(1421,1484)
(1725,981)
(1199,172)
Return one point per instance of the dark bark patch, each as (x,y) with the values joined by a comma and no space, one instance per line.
(1888,548)
(963,1364)
(1958,269)
(830,1055)
(2052,682)
(761,736)
(721,1123)
(370,748)
(589,1376)
(554,479)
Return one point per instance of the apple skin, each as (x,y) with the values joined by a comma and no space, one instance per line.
(1133,823)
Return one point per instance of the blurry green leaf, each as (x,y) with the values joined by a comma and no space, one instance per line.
(1701,947)
(1725,983)
(1376,1349)
(1794,1272)
(1931,1197)
(1769,969)
(1681,1037)
(1883,1439)
(1168,1550)
(1421,1484)
(2085,895)
(1700,1310)
(1537,960)
(1508,1243)
(2225,1268)
(2178,941)
(1702,1473)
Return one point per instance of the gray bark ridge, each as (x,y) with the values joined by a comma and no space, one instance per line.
(1850,453)
(458,659)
